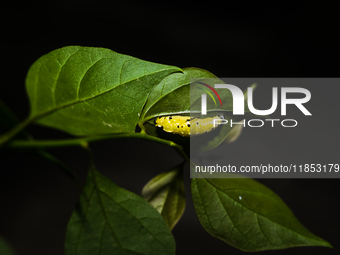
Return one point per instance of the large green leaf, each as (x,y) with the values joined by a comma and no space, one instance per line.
(247,215)
(112,220)
(166,193)
(87,91)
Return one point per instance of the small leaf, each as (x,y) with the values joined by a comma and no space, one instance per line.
(166,193)
(254,86)
(211,139)
(248,215)
(237,129)
(112,220)
(90,91)
(234,133)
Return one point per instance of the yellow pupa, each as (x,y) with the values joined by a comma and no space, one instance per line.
(186,126)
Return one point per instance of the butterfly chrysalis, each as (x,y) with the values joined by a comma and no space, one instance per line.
(186,126)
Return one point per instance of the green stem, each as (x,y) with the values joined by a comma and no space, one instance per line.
(5,138)
(13,132)
(15,144)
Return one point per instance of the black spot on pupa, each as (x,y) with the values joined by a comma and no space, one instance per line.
(188,125)
(197,123)
(177,126)
(170,118)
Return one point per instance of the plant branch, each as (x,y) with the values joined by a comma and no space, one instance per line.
(21,144)
(13,132)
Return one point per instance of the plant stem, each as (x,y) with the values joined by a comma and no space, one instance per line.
(5,138)
(15,144)
(13,132)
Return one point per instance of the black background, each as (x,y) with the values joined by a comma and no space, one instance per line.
(266,39)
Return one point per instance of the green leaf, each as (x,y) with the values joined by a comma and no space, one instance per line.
(172,95)
(237,129)
(166,193)
(234,133)
(5,248)
(112,220)
(211,139)
(245,93)
(248,215)
(88,91)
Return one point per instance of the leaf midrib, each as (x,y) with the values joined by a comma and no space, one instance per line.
(57,108)
(107,219)
(217,188)
(96,187)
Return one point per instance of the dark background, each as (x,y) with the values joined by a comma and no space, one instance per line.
(266,39)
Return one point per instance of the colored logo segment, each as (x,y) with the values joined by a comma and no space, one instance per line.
(208,92)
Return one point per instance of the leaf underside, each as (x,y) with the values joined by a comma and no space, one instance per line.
(89,91)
